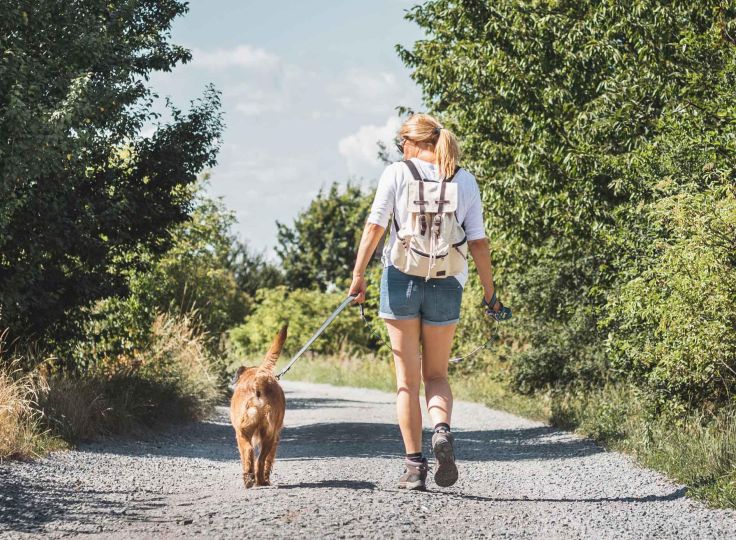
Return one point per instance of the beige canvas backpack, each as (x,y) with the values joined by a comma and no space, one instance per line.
(432,244)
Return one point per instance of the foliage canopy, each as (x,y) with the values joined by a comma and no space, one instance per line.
(82,193)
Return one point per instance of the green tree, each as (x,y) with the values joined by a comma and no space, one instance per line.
(559,104)
(253,271)
(201,277)
(84,198)
(318,250)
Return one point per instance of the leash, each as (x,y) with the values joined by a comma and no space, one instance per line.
(502,315)
(341,307)
(454,360)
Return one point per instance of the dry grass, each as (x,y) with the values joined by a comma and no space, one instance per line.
(171,379)
(21,432)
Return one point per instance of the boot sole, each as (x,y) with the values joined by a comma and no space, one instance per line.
(446,474)
(413,486)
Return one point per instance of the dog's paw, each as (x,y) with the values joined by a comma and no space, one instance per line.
(249,480)
(263,482)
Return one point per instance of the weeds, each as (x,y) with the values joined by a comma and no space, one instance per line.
(170,380)
(19,426)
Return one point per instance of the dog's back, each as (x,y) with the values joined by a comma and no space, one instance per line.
(257,413)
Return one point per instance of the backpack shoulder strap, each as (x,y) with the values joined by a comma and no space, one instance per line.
(457,170)
(413,169)
(421,202)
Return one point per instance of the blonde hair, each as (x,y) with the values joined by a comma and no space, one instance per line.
(425,130)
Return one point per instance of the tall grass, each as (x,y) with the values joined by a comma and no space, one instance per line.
(170,379)
(698,450)
(20,429)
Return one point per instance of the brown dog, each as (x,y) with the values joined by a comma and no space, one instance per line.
(257,414)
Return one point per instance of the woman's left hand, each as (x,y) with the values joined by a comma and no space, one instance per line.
(492,298)
(358,286)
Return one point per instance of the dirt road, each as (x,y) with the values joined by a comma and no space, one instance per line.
(336,477)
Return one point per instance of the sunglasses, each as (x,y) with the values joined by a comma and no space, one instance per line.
(400,145)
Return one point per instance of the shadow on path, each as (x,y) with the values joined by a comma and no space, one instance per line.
(339,484)
(215,441)
(29,505)
(677,494)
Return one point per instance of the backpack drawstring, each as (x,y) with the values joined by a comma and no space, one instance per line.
(434,236)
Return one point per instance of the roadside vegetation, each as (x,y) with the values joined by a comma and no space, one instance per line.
(118,277)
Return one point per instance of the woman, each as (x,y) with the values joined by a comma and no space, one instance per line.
(420,311)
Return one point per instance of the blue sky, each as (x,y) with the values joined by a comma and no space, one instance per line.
(308,88)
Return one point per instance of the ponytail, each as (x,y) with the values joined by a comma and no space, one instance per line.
(424,129)
(447,152)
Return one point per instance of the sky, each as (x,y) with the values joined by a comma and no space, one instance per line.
(308,88)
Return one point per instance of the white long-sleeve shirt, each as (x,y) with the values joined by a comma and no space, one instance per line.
(391,199)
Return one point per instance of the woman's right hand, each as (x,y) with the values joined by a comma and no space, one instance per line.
(358,286)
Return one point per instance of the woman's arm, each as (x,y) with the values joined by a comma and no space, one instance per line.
(378,218)
(482,256)
(368,242)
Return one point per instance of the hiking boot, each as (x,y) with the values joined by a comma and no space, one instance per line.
(446,473)
(415,475)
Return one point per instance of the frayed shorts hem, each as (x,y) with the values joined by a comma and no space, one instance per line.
(392,317)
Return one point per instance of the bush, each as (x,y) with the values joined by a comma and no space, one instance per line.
(195,277)
(672,326)
(304,310)
(170,379)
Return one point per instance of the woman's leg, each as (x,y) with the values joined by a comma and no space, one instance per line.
(436,347)
(404,336)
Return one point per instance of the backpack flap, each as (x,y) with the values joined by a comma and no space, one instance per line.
(431,197)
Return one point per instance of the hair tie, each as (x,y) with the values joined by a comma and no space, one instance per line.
(437,130)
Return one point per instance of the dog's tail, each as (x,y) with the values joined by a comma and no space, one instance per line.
(274,352)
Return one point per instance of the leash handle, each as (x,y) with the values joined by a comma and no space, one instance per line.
(503,314)
(345,303)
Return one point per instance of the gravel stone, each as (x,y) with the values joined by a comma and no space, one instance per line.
(336,477)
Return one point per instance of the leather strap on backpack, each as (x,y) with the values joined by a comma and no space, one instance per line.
(413,169)
(421,202)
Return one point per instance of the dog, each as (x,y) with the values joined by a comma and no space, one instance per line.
(257,413)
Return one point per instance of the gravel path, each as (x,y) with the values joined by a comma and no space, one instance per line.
(336,477)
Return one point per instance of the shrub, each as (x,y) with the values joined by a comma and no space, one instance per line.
(304,310)
(170,379)
(673,326)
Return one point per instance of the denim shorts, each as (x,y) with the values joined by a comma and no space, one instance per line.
(436,301)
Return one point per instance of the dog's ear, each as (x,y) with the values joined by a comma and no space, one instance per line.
(237,375)
(275,351)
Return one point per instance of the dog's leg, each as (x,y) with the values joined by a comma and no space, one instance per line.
(269,459)
(265,461)
(266,445)
(246,458)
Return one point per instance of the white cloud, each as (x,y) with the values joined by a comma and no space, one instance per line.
(360,149)
(370,92)
(255,98)
(242,56)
